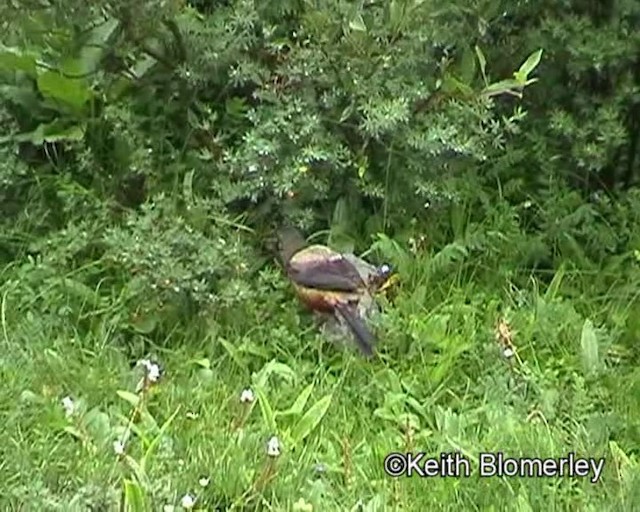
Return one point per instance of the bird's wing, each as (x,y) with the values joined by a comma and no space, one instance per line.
(333,273)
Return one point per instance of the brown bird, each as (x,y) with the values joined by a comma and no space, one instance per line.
(326,282)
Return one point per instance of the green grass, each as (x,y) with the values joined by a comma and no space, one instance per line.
(439,385)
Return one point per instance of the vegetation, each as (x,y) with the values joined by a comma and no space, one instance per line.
(488,150)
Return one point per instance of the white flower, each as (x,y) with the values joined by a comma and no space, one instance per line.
(187,501)
(508,353)
(247,396)
(68,405)
(152,370)
(302,506)
(118,447)
(204,481)
(273,447)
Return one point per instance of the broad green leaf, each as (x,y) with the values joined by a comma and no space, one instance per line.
(298,406)
(73,92)
(130,397)
(531,63)
(96,46)
(12,59)
(98,424)
(134,497)
(51,132)
(311,419)
(589,344)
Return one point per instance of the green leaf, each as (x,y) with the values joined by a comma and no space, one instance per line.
(134,497)
(467,67)
(130,397)
(298,406)
(396,15)
(311,419)
(55,131)
(12,59)
(589,344)
(75,433)
(156,440)
(509,86)
(72,92)
(274,367)
(138,471)
(232,351)
(98,424)
(357,23)
(522,502)
(144,323)
(203,362)
(452,85)
(531,63)
(268,415)
(96,46)
(483,63)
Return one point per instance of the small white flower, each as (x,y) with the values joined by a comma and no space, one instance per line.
(247,396)
(187,501)
(273,447)
(204,481)
(118,447)
(152,370)
(508,353)
(192,415)
(68,405)
(302,506)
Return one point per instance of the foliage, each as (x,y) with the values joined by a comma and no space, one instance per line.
(488,150)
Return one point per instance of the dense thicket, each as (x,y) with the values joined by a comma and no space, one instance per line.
(164,139)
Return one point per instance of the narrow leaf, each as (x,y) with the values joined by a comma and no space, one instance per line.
(268,415)
(130,397)
(156,440)
(357,23)
(482,61)
(298,406)
(311,419)
(134,498)
(531,63)
(589,343)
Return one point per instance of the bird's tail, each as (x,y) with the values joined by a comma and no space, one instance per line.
(364,337)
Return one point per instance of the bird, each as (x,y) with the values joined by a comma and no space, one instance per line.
(326,282)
